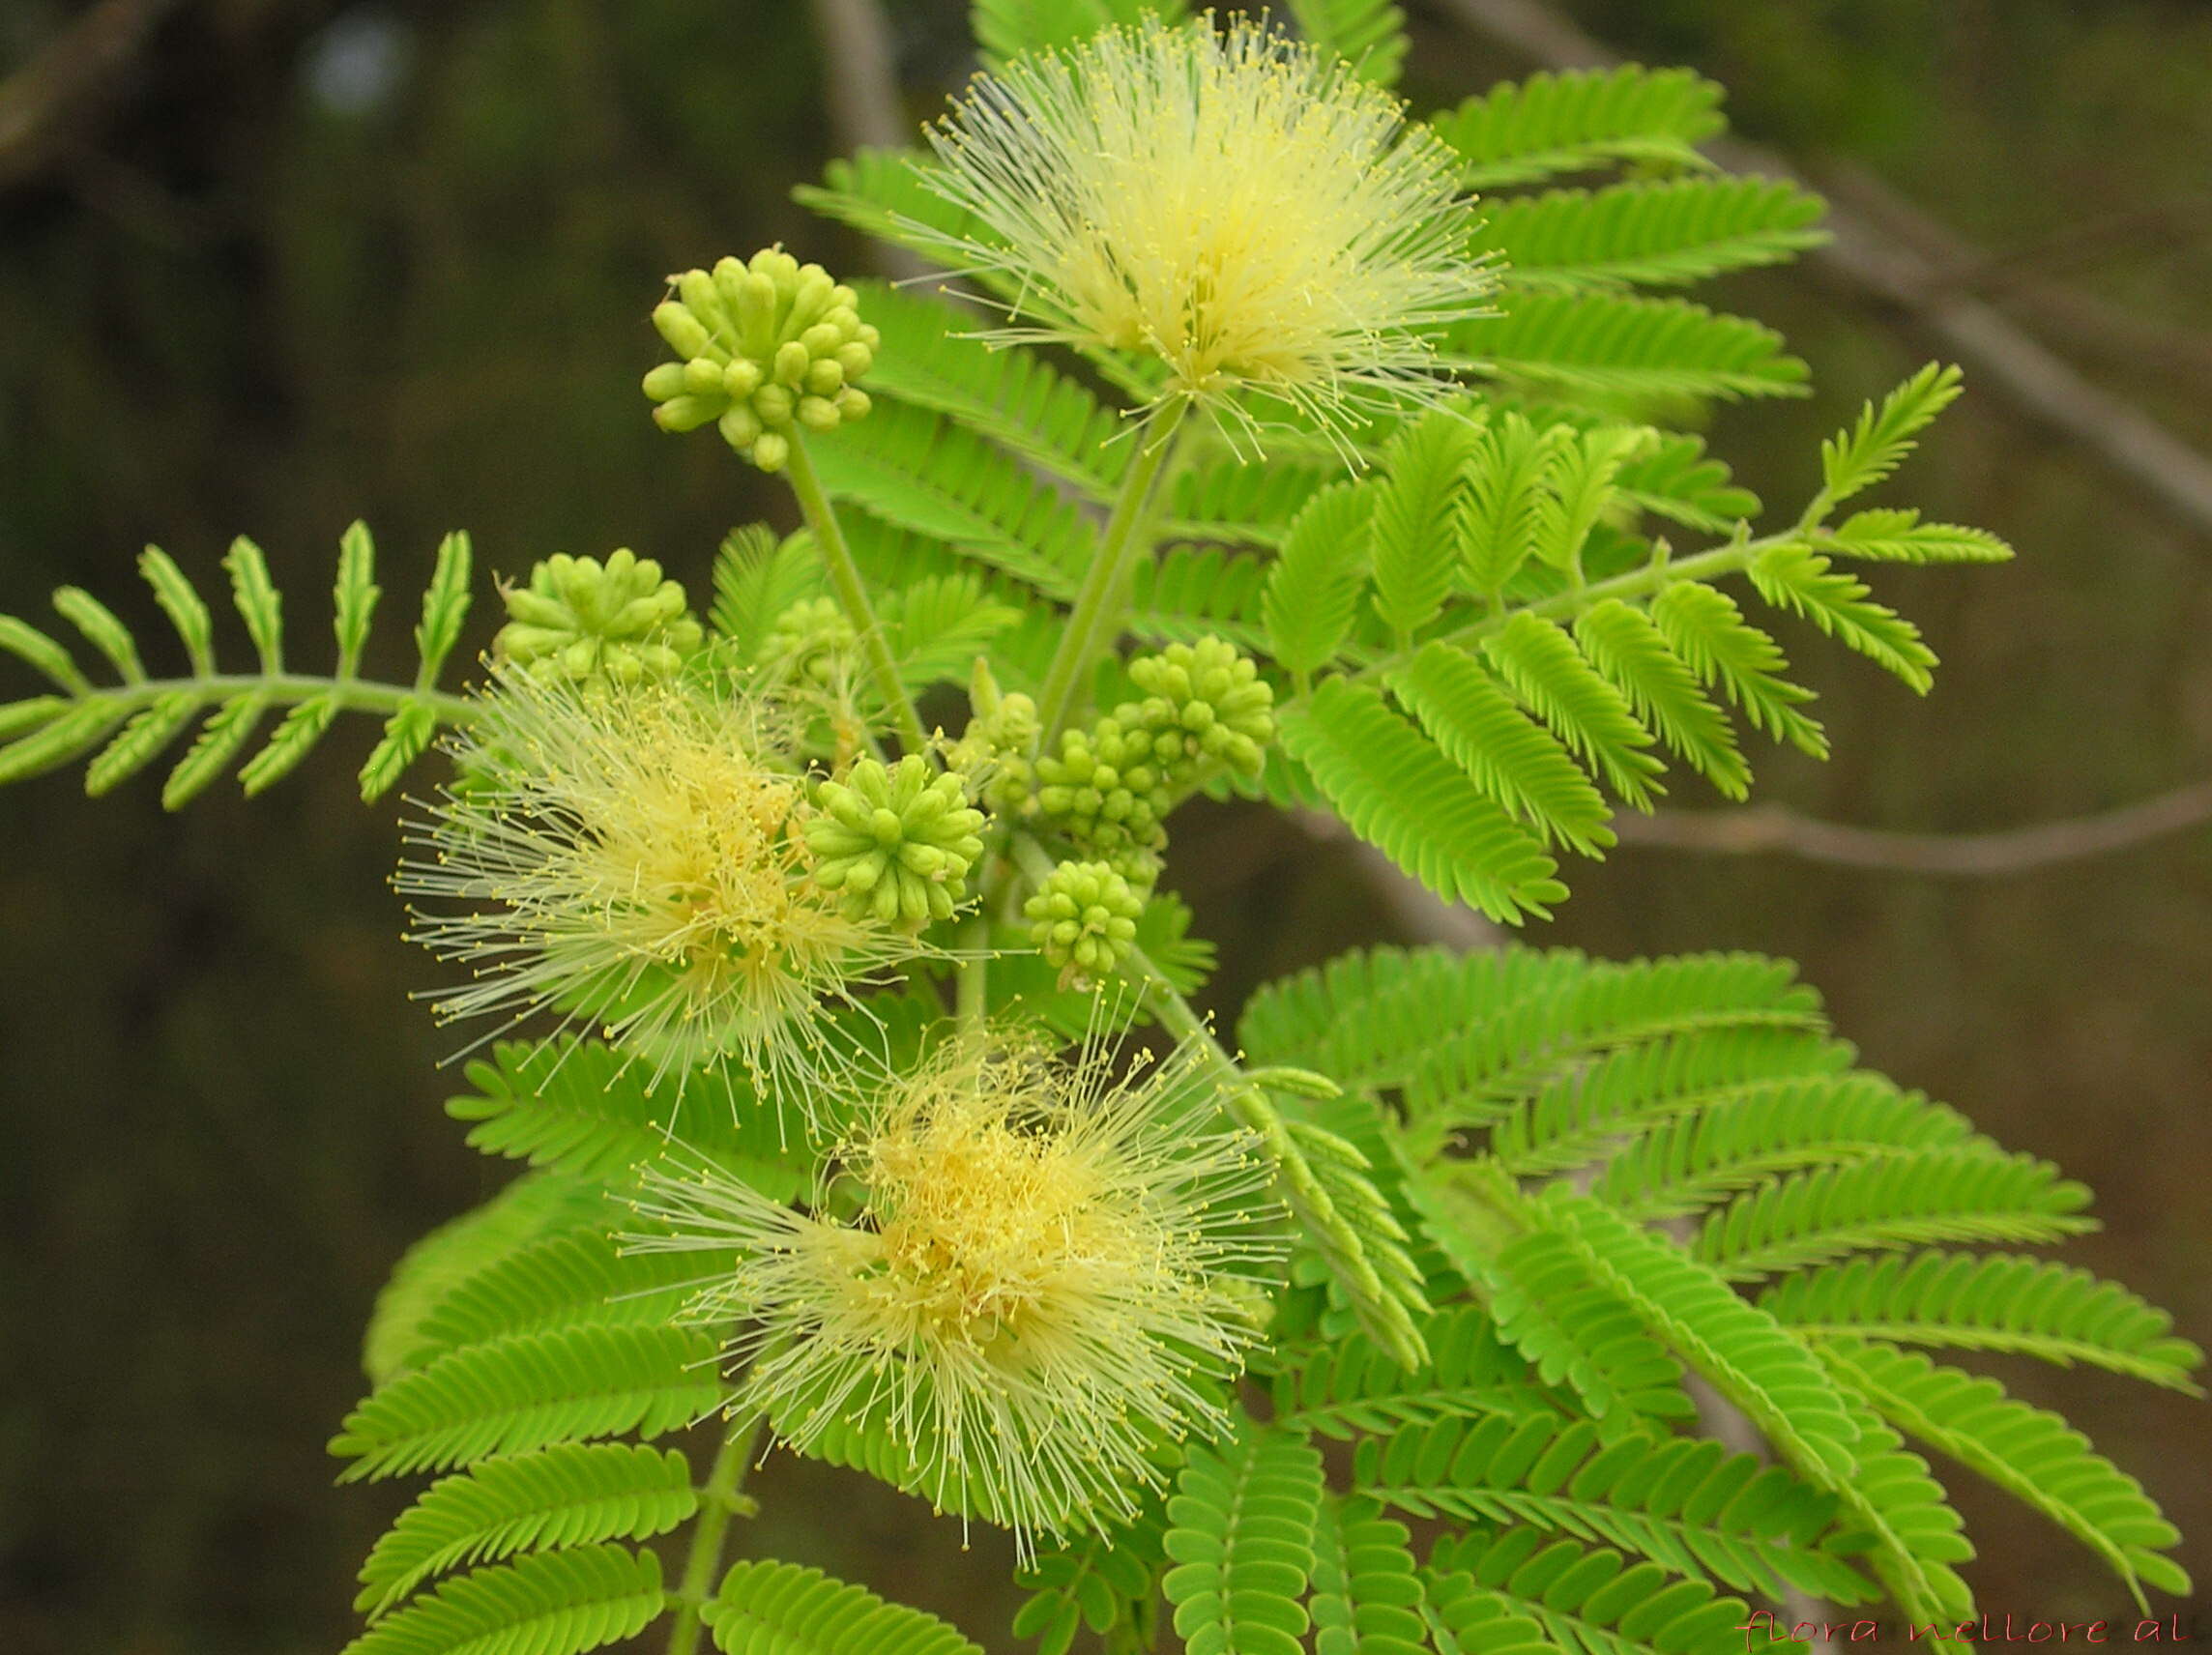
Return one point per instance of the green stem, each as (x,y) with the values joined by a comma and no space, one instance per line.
(1104,596)
(853,596)
(353,694)
(1704,566)
(971,1001)
(718,1502)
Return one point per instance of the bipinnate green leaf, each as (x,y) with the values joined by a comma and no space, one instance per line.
(1878,441)
(1241,1535)
(1313,588)
(136,745)
(1508,755)
(1396,790)
(1415,513)
(1897,536)
(556,1603)
(183,604)
(532,1207)
(1990,1301)
(444,607)
(304,726)
(1633,654)
(103,631)
(1649,232)
(1706,629)
(407,735)
(1579,119)
(1368,34)
(1541,664)
(259,604)
(766,1607)
(1796,577)
(1104,1581)
(34,650)
(1366,1593)
(61,737)
(2029,1452)
(571,1494)
(1746,1355)
(219,742)
(528,1391)
(1005,29)
(354,598)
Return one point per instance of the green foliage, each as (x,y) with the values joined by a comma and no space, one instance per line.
(1583,119)
(535,1205)
(585,1110)
(1590,1601)
(528,1391)
(1007,28)
(1353,1384)
(1243,1523)
(1683,1502)
(780,1609)
(50,731)
(1535,1208)
(1366,1595)
(1572,1328)
(1615,345)
(1878,442)
(2029,1452)
(567,1496)
(1396,791)
(1649,234)
(1990,1302)
(556,1603)
(1104,1582)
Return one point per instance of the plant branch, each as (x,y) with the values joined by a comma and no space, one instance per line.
(1100,603)
(1762,829)
(718,1502)
(354,695)
(853,596)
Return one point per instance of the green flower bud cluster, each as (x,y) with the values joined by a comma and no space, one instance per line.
(764,345)
(1110,788)
(896,840)
(1208,710)
(807,642)
(584,619)
(1084,918)
(995,746)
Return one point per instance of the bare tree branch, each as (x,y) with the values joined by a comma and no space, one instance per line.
(1770,830)
(865,110)
(1900,280)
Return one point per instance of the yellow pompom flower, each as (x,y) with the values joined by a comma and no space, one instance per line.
(634,858)
(1025,1280)
(1234,203)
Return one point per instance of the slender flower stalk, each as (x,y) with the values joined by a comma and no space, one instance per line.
(1237,206)
(1049,1275)
(1103,599)
(853,596)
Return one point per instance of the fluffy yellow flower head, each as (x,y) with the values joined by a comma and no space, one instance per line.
(1024,1279)
(634,857)
(1238,205)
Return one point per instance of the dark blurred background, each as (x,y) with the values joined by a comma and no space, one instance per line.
(268,265)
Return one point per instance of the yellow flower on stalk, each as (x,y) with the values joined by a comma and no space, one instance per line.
(1025,1278)
(634,858)
(1236,204)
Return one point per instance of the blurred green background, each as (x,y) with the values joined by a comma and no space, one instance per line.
(294,262)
